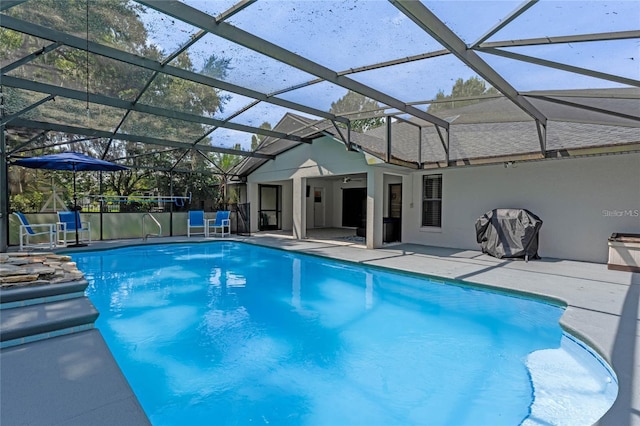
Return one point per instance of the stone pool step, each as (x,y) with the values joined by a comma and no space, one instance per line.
(41,296)
(45,320)
(14,297)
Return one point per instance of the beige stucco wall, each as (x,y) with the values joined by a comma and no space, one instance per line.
(581,201)
(324,157)
(577,200)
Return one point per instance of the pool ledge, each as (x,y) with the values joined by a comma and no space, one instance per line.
(55,368)
(70,379)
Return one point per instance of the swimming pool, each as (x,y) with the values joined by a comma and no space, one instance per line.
(232,333)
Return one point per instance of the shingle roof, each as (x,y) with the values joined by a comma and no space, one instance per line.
(488,129)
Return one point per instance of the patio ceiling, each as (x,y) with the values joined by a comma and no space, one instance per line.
(551,61)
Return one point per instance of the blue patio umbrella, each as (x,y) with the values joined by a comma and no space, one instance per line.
(73,161)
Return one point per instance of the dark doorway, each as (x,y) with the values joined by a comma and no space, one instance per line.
(392,223)
(354,207)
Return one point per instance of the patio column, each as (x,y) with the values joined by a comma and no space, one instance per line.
(299,208)
(4,194)
(375,197)
(253,198)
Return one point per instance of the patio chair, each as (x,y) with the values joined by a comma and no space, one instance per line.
(196,223)
(219,224)
(28,230)
(67,225)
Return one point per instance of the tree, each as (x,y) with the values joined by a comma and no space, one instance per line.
(225,163)
(115,23)
(217,67)
(474,86)
(10,40)
(257,139)
(354,102)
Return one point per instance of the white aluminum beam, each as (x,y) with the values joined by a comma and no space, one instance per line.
(234,9)
(8,4)
(31,124)
(433,26)
(29,58)
(122,56)
(563,67)
(148,109)
(15,115)
(504,22)
(201,20)
(576,38)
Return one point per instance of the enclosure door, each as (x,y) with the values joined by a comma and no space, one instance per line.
(395,200)
(270,211)
(318,207)
(393,225)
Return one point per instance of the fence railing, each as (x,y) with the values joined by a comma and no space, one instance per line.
(114,226)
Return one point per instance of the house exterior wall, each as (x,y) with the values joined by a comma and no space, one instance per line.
(324,157)
(310,163)
(581,202)
(286,200)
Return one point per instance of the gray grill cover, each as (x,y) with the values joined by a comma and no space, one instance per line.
(511,233)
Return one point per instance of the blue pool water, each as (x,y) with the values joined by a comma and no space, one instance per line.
(228,333)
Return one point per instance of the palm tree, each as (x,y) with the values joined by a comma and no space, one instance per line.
(225,163)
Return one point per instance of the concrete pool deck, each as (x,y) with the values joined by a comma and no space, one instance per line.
(602,305)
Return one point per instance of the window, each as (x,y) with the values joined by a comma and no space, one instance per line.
(432,200)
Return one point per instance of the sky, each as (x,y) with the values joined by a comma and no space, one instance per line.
(344,34)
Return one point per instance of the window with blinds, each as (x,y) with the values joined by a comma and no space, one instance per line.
(432,200)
